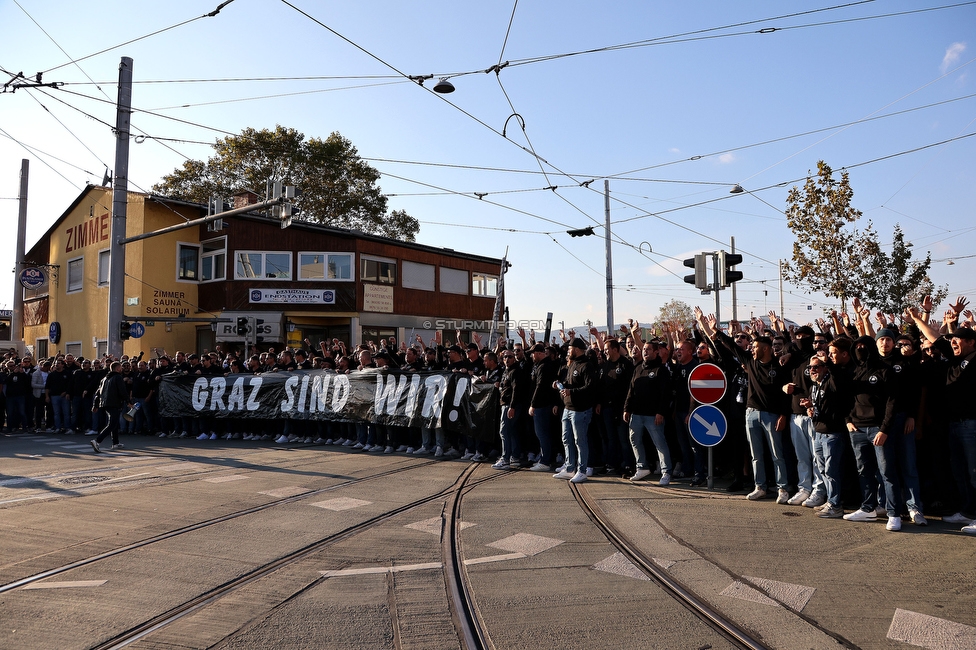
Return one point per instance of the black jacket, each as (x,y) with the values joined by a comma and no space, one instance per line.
(650,390)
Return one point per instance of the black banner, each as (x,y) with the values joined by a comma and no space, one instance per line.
(452,401)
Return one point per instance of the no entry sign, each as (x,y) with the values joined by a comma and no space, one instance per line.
(707,383)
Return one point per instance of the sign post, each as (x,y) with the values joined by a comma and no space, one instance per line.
(707,424)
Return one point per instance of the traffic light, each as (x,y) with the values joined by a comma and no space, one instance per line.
(257,329)
(580,232)
(725,275)
(700,278)
(124,330)
(241,329)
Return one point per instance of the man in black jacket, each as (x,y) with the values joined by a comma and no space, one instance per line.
(112,396)
(543,405)
(648,400)
(578,389)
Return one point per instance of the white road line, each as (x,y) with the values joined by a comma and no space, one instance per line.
(930,632)
(793,596)
(381,569)
(342,503)
(526,543)
(618,564)
(284,492)
(225,479)
(65,585)
(494,558)
(433,525)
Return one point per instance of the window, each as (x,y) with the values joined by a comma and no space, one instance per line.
(188,264)
(40,349)
(454,281)
(213,260)
(484,285)
(250,265)
(418,276)
(73,348)
(76,275)
(325,266)
(378,270)
(104,258)
(101,348)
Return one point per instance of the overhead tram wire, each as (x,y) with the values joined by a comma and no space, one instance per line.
(46,164)
(280,95)
(134,40)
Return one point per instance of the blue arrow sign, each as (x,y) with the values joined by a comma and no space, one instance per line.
(136,330)
(707,425)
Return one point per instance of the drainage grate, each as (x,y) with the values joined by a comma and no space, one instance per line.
(82,480)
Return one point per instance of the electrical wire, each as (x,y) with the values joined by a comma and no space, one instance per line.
(279,95)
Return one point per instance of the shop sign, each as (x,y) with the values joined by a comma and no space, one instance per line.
(378,298)
(293,296)
(33,278)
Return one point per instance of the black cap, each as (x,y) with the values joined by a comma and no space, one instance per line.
(455,348)
(538,347)
(964,333)
(578,343)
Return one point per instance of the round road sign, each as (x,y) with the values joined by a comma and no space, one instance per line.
(707,383)
(707,425)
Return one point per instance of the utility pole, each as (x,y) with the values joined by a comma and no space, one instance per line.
(735,307)
(782,310)
(606,210)
(120,198)
(17,321)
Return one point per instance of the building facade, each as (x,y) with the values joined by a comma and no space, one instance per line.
(188,288)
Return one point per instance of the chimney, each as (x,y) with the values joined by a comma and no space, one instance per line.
(245,198)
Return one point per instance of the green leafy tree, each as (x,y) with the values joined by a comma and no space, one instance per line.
(676,312)
(337,187)
(892,281)
(828,251)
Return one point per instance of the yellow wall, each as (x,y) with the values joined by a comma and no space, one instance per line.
(151,269)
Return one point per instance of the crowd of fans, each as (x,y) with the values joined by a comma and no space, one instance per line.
(875,410)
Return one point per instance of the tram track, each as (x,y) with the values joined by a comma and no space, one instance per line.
(468,624)
(699,607)
(200,525)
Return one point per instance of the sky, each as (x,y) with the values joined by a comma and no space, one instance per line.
(669,104)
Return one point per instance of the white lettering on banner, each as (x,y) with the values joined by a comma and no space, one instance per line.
(288,403)
(320,393)
(388,396)
(211,390)
(412,393)
(340,394)
(436,387)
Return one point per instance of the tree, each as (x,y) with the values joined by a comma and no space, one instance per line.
(676,312)
(828,251)
(337,187)
(893,281)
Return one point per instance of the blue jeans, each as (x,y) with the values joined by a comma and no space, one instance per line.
(638,425)
(575,424)
(62,411)
(540,420)
(509,433)
(867,466)
(802,434)
(962,450)
(761,430)
(907,468)
(829,455)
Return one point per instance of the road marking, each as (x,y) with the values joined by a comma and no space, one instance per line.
(493,558)
(771,592)
(65,585)
(526,543)
(930,632)
(381,569)
(78,447)
(292,491)
(433,525)
(225,479)
(342,503)
(618,564)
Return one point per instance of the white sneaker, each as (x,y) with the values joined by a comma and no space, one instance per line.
(970,529)
(917,518)
(438,452)
(564,474)
(360,445)
(894,523)
(861,515)
(388,450)
(957,518)
(815,500)
(307,440)
(578,477)
(501,463)
(478,458)
(294,438)
(467,456)
(318,441)
(640,475)
(799,497)
(158,435)
(184,434)
(665,480)
(782,497)
(377,449)
(402,448)
(409,450)
(282,439)
(589,471)
(422,451)
(203,436)
(756,494)
(213,436)
(540,467)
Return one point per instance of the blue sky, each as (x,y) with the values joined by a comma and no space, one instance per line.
(672,123)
